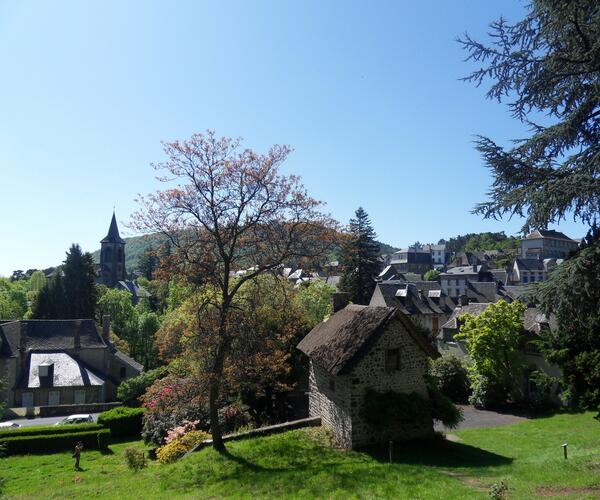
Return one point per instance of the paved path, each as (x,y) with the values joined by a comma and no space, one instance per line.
(478,419)
(27,422)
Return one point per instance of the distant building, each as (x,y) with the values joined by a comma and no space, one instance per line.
(360,348)
(531,270)
(61,362)
(438,255)
(422,301)
(547,244)
(455,280)
(412,260)
(112,271)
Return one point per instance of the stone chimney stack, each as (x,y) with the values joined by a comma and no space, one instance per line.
(106,327)
(339,300)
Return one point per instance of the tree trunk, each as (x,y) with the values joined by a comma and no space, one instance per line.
(213,397)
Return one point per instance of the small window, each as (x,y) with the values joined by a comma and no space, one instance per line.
(392,360)
(123,373)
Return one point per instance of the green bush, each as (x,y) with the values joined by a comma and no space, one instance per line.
(443,409)
(384,409)
(487,394)
(451,377)
(134,458)
(134,387)
(28,444)
(49,430)
(123,421)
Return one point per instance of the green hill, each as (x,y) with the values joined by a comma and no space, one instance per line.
(138,245)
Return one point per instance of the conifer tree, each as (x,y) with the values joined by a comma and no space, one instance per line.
(359,259)
(548,65)
(79,283)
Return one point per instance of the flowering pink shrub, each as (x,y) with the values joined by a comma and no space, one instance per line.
(180,430)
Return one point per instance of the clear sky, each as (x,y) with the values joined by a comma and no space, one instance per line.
(367,94)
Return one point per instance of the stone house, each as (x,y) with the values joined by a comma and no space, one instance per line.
(412,260)
(422,301)
(547,244)
(531,270)
(360,348)
(60,362)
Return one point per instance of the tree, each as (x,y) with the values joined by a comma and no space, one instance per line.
(13,299)
(230,209)
(359,259)
(572,294)
(548,64)
(314,300)
(51,300)
(432,275)
(148,325)
(79,283)
(124,317)
(36,281)
(492,340)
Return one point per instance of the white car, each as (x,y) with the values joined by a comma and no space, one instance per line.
(76,419)
(9,425)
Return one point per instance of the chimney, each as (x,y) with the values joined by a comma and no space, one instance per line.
(106,327)
(339,300)
(464,300)
(77,337)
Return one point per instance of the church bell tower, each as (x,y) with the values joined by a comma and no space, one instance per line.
(112,256)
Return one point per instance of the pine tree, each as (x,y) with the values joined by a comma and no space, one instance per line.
(79,283)
(359,259)
(548,64)
(51,302)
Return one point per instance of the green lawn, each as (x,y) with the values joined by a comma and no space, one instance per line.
(299,464)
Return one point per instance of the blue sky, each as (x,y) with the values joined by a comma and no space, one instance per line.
(367,94)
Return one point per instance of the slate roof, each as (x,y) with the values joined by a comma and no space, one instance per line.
(475,309)
(463,270)
(136,290)
(60,334)
(113,235)
(339,342)
(406,297)
(67,371)
(547,233)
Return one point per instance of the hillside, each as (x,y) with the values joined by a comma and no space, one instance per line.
(138,245)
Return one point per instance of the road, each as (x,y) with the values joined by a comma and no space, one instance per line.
(477,419)
(28,422)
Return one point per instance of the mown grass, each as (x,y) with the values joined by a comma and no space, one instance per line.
(300,464)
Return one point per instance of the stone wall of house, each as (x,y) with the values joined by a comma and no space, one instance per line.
(370,372)
(93,394)
(329,398)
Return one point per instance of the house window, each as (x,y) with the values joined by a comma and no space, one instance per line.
(53,398)
(27,399)
(392,360)
(123,372)
(79,397)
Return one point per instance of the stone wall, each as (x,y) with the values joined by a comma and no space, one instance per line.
(329,398)
(338,399)
(370,373)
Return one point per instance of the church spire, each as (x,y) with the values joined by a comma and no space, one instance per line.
(113,233)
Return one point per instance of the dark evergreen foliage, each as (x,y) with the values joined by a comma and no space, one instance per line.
(71,292)
(359,259)
(549,64)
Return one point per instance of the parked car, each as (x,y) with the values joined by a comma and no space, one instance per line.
(9,425)
(76,419)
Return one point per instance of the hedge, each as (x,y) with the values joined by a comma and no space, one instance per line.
(29,444)
(49,430)
(123,421)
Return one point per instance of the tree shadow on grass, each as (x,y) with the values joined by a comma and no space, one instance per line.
(437,453)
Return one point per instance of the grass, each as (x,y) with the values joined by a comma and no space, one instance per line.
(299,464)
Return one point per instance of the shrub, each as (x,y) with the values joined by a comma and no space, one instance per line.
(234,416)
(181,430)
(443,409)
(134,458)
(173,451)
(451,377)
(384,409)
(171,401)
(48,430)
(487,394)
(498,491)
(26,444)
(541,400)
(123,421)
(131,389)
